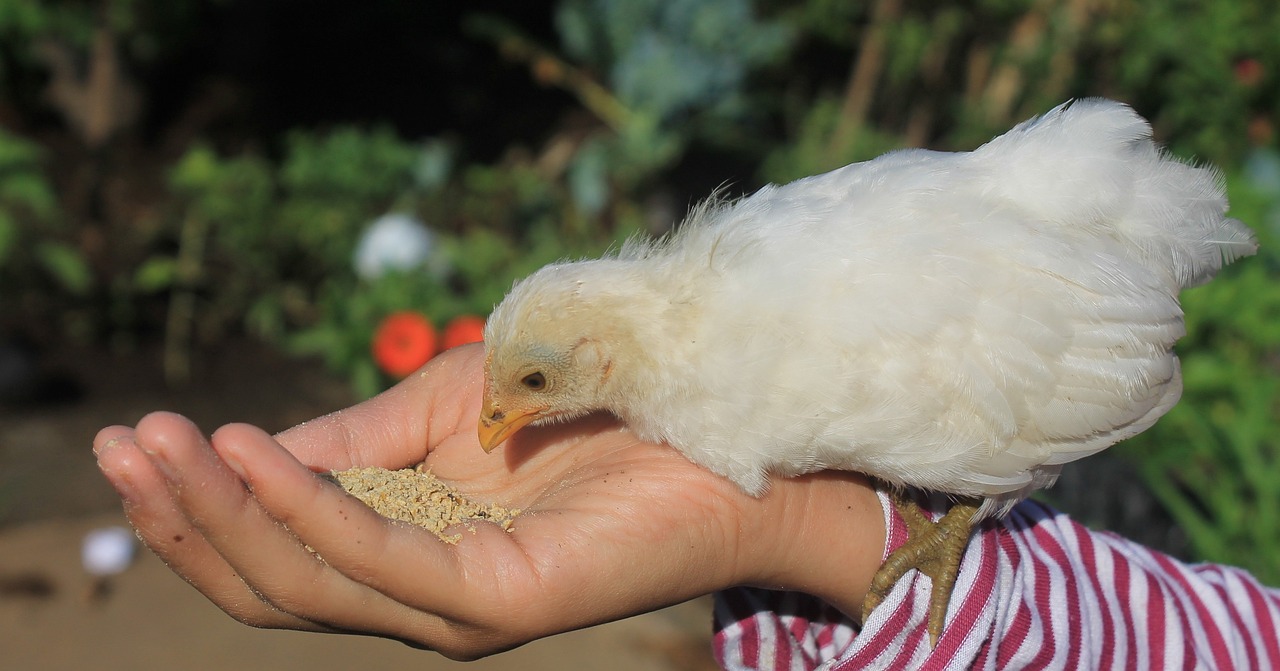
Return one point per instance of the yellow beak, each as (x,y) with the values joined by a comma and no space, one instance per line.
(497,426)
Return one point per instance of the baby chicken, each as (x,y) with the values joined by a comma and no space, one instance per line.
(963,323)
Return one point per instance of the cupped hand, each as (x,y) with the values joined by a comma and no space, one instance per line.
(611,526)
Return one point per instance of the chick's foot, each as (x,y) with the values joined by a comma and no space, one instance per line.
(933,548)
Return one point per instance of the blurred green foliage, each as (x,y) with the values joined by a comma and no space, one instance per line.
(257,235)
(26,197)
(37,259)
(673,60)
(281,238)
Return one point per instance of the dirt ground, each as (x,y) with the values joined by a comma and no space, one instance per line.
(51,494)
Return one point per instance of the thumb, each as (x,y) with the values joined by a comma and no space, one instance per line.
(400,426)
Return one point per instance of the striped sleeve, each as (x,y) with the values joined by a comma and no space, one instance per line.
(1036,590)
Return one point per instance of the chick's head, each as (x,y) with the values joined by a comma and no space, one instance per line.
(550,350)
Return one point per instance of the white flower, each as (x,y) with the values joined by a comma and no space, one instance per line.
(393,242)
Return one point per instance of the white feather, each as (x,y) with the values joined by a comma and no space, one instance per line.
(963,323)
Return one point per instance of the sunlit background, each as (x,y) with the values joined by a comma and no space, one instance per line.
(264,210)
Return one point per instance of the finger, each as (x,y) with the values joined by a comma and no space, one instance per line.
(163,527)
(404,562)
(395,428)
(219,509)
(110,436)
(269,555)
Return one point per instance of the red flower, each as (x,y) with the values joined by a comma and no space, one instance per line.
(1249,71)
(404,341)
(462,330)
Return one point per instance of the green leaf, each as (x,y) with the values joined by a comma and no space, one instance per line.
(67,266)
(197,169)
(156,274)
(29,190)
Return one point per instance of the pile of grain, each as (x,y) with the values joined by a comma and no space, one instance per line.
(419,497)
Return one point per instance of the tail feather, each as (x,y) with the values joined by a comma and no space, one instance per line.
(1091,164)
(1179,221)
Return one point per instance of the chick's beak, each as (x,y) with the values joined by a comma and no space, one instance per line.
(497,425)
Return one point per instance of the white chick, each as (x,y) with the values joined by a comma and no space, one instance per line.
(963,323)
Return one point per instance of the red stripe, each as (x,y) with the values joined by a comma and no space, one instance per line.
(1122,595)
(825,641)
(899,619)
(896,533)
(1217,646)
(976,596)
(982,585)
(797,635)
(837,637)
(1013,638)
(750,645)
(748,642)
(1155,621)
(1266,625)
(917,638)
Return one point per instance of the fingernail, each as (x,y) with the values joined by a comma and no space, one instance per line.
(97,449)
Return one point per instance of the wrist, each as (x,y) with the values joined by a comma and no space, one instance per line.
(824,535)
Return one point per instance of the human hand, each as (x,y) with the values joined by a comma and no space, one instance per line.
(612,526)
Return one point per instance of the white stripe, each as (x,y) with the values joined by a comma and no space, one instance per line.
(1092,637)
(1139,602)
(1121,622)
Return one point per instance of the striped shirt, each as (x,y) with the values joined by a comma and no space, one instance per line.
(1036,590)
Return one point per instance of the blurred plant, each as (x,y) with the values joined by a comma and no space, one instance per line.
(658,74)
(265,235)
(1205,71)
(26,197)
(243,241)
(35,251)
(953,75)
(82,59)
(304,253)
(682,61)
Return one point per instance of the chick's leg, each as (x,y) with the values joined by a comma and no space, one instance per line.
(933,548)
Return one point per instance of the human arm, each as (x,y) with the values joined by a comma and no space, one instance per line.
(612,526)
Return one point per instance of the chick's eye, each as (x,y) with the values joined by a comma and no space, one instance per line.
(534,381)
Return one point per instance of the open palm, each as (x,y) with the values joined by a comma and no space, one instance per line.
(612,526)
